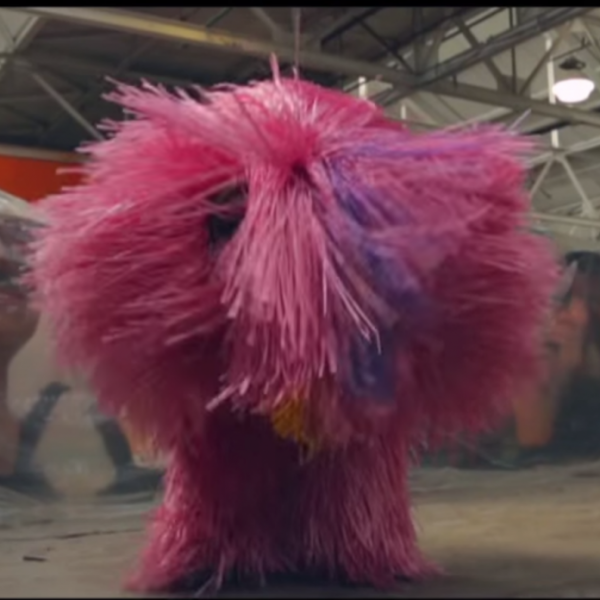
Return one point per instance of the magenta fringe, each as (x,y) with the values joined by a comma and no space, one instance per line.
(387,276)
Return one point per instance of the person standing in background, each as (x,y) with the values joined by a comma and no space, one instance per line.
(20,437)
(560,417)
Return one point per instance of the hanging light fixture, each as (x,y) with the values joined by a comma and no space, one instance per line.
(573,87)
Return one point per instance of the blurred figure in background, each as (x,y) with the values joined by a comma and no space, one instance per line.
(558,418)
(130,476)
(17,325)
(19,438)
(561,418)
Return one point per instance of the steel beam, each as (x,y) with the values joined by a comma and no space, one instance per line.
(25,130)
(18,99)
(78,37)
(432,31)
(588,208)
(387,47)
(96,68)
(30,122)
(550,81)
(561,208)
(487,61)
(431,38)
(16,38)
(575,221)
(117,72)
(432,48)
(169,30)
(6,33)
(515,36)
(348,20)
(548,54)
(267,20)
(422,113)
(16,32)
(166,29)
(516,103)
(194,34)
(66,105)
(593,20)
(541,176)
(139,24)
(578,148)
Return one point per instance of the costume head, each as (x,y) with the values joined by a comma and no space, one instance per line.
(288,250)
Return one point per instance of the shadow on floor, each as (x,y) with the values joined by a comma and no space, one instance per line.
(477,575)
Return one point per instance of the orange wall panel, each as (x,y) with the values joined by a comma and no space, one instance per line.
(33,179)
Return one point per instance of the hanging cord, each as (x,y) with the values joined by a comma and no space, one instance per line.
(296,23)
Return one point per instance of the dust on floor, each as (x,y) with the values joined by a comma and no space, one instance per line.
(496,534)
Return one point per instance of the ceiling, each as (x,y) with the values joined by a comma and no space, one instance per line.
(433,67)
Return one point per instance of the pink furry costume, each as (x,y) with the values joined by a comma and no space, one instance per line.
(292,295)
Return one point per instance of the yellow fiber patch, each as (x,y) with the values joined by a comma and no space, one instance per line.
(289,422)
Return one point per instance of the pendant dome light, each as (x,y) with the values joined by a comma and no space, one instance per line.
(573,86)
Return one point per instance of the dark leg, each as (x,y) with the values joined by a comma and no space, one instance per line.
(129,477)
(26,478)
(114,441)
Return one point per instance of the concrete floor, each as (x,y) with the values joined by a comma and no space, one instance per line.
(497,534)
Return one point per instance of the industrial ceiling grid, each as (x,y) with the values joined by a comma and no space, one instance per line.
(434,67)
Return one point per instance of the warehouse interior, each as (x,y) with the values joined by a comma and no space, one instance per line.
(433,67)
(497,530)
